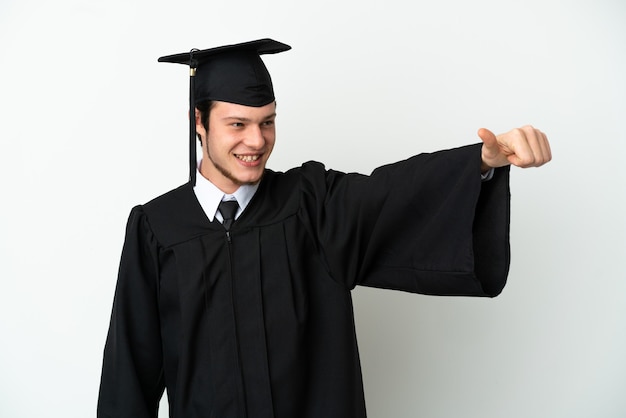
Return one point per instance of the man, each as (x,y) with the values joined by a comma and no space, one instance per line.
(243,309)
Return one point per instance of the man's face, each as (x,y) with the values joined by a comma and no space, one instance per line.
(238,144)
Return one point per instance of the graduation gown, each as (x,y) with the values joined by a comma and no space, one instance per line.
(259,323)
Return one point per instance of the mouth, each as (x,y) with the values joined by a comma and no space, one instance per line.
(248,158)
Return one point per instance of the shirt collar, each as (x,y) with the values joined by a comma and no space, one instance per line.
(209,196)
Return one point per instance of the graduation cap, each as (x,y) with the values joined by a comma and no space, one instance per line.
(231,73)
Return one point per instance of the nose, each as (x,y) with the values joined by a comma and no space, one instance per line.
(254,137)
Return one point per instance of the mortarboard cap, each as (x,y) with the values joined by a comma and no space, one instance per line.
(231,73)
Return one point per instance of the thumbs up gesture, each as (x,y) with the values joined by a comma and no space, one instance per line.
(522,147)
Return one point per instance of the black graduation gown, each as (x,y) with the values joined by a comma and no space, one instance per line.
(261,325)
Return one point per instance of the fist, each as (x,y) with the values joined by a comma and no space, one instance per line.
(522,147)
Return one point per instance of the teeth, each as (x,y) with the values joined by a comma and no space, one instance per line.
(248,158)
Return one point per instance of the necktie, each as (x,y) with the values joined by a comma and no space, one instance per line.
(228,208)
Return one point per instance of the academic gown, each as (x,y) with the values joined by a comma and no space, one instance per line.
(259,322)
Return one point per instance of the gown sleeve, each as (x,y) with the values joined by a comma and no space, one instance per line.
(132,372)
(425,225)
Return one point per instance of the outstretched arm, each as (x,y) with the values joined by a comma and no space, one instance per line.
(522,147)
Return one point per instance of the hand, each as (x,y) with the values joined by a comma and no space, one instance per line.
(523,147)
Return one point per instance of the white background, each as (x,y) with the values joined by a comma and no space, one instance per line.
(91,125)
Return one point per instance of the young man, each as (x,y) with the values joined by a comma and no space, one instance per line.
(244,309)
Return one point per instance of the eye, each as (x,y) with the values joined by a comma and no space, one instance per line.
(268,123)
(237,124)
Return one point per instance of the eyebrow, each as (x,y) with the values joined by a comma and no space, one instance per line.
(243,119)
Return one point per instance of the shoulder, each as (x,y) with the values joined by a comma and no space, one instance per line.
(281,194)
(309,176)
(177,201)
(172,197)
(296,172)
(175,216)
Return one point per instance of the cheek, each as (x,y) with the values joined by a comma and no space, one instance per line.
(270,145)
(216,144)
(270,139)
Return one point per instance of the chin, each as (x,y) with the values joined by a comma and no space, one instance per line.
(251,180)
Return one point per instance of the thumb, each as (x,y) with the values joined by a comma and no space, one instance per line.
(488,137)
(490,153)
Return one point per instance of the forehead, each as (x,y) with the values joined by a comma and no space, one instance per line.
(231,110)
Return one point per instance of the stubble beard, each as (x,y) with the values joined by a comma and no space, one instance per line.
(224,172)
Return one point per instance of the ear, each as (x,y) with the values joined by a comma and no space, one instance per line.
(197,115)
(199,126)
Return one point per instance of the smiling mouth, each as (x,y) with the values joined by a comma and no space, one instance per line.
(247,158)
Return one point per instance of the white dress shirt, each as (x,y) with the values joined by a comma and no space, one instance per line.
(209,196)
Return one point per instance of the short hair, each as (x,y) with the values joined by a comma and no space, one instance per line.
(204,108)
